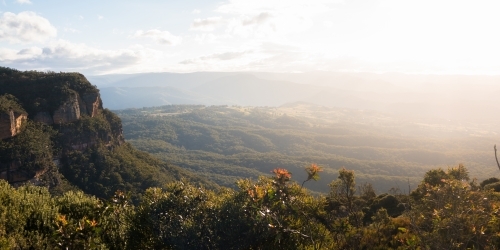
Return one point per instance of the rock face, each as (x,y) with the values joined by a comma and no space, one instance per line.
(44,117)
(11,173)
(74,108)
(49,98)
(68,112)
(10,123)
(93,103)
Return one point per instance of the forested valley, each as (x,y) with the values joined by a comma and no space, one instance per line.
(227,143)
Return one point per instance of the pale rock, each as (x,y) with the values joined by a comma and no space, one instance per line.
(10,123)
(68,112)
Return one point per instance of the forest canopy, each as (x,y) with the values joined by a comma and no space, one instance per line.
(226,143)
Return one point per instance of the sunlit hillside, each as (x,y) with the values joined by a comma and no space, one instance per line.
(226,143)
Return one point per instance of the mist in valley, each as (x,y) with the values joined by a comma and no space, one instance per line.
(390,122)
(455,103)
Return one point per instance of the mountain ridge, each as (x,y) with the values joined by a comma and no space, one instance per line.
(424,97)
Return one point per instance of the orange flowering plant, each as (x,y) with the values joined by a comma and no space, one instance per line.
(282,175)
(312,172)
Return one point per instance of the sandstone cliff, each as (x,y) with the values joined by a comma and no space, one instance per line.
(68,112)
(44,117)
(68,139)
(66,100)
(93,103)
(72,109)
(10,123)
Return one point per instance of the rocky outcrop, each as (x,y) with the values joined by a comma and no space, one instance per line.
(93,103)
(69,111)
(13,174)
(73,109)
(44,117)
(16,176)
(52,99)
(10,123)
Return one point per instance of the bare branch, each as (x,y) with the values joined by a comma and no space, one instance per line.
(496,158)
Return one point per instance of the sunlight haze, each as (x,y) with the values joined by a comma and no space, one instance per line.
(249,124)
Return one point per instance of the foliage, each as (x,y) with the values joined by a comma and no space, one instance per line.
(451,215)
(31,150)
(312,173)
(100,171)
(180,217)
(489,181)
(10,102)
(271,213)
(30,218)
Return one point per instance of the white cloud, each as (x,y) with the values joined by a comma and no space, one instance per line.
(258,6)
(196,11)
(162,37)
(66,56)
(25,27)
(226,56)
(23,1)
(218,56)
(207,24)
(273,18)
(99,17)
(208,38)
(258,19)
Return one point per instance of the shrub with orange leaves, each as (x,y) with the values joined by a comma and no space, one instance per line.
(312,172)
(282,175)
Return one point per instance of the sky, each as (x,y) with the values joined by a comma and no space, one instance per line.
(108,36)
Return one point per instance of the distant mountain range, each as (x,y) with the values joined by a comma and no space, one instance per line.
(451,98)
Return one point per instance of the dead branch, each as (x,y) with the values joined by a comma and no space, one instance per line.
(496,158)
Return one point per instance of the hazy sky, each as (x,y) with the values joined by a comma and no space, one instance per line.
(108,36)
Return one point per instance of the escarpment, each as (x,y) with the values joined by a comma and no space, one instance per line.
(69,111)
(47,97)
(55,133)
(73,108)
(10,123)
(93,103)
(12,116)
(43,115)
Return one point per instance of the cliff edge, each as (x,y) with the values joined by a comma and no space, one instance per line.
(54,130)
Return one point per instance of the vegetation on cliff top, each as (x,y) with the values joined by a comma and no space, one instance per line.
(42,91)
(9,102)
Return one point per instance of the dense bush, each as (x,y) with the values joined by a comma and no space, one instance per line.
(271,213)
